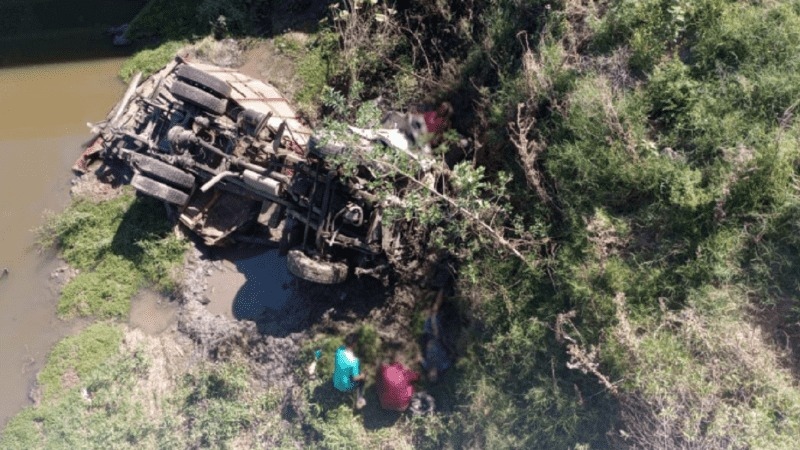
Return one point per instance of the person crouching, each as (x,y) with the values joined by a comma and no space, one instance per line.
(347,374)
(394,385)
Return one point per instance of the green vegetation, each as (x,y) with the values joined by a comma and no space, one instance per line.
(166,26)
(86,386)
(313,68)
(626,230)
(117,245)
(98,392)
(79,356)
(148,61)
(186,19)
(215,404)
(652,149)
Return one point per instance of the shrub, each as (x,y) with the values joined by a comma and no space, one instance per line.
(167,19)
(315,67)
(368,344)
(702,377)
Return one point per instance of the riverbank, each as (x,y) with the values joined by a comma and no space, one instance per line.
(207,379)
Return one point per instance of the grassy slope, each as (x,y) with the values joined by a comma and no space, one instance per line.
(670,153)
(98,392)
(118,246)
(665,138)
(107,386)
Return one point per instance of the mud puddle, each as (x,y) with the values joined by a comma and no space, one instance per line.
(249,284)
(152,312)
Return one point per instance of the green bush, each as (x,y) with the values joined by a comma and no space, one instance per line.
(369,344)
(171,20)
(315,67)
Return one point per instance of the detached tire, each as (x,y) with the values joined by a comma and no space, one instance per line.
(163,171)
(153,188)
(198,97)
(203,79)
(315,271)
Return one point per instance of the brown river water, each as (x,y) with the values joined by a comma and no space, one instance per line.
(43,114)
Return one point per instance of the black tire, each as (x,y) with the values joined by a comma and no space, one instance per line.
(302,266)
(162,171)
(198,97)
(203,79)
(158,190)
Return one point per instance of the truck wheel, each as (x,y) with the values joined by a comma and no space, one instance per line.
(302,266)
(204,79)
(160,191)
(162,171)
(198,97)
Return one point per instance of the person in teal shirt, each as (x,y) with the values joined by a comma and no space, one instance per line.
(347,372)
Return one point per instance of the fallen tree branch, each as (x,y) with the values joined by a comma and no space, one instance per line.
(476,221)
(528,151)
(581,358)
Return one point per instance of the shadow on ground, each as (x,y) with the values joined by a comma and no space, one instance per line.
(280,303)
(327,398)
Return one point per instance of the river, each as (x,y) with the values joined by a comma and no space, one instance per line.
(57,72)
(45,110)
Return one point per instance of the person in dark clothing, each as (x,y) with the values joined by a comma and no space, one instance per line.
(436,355)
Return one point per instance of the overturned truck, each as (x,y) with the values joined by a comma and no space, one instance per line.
(230,154)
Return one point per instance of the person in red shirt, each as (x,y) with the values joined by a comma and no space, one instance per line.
(394,386)
(437,122)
